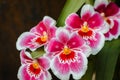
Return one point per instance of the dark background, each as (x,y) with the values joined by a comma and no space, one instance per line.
(17,16)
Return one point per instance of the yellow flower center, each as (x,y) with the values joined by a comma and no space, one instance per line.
(66,50)
(44,38)
(85,27)
(36,65)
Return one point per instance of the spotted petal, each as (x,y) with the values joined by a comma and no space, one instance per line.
(96,21)
(75,41)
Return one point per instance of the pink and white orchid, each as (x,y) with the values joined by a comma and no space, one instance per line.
(38,35)
(68,53)
(89,27)
(33,69)
(111,14)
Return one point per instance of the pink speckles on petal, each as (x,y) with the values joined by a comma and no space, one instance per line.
(54,46)
(96,21)
(25,40)
(74,21)
(41,27)
(75,41)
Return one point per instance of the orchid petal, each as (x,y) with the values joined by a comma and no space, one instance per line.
(25,57)
(96,21)
(75,41)
(111,9)
(25,41)
(115,30)
(61,70)
(100,5)
(62,35)
(86,50)
(44,62)
(41,27)
(54,46)
(73,21)
(79,67)
(97,43)
(86,12)
(49,21)
(23,74)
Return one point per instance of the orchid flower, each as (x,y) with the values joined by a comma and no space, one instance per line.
(38,36)
(89,27)
(111,14)
(33,69)
(68,53)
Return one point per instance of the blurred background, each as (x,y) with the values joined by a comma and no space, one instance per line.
(17,16)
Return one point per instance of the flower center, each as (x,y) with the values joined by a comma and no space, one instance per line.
(42,39)
(85,27)
(34,69)
(35,65)
(66,50)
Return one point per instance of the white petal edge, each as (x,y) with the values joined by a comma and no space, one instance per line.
(52,21)
(99,2)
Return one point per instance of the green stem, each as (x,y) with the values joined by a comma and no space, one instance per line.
(71,6)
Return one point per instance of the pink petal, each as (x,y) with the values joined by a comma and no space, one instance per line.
(96,21)
(74,21)
(54,46)
(25,41)
(75,41)
(86,12)
(23,74)
(100,5)
(62,35)
(25,57)
(115,30)
(41,27)
(47,76)
(44,62)
(97,43)
(49,21)
(51,32)
(111,9)
(86,50)
(79,67)
(61,70)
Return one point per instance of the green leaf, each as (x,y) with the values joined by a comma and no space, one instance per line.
(106,60)
(38,53)
(70,6)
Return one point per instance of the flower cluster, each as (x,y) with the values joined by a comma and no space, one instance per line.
(67,48)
